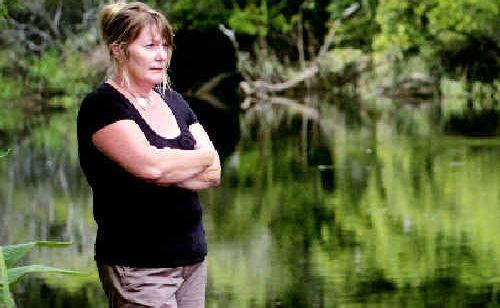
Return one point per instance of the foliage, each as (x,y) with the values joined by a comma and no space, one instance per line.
(10,275)
(402,24)
(34,26)
(193,14)
(282,22)
(464,17)
(45,48)
(48,73)
(5,7)
(3,154)
(252,20)
(457,102)
(360,30)
(39,40)
(448,29)
(11,81)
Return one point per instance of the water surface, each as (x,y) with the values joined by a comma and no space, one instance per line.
(343,204)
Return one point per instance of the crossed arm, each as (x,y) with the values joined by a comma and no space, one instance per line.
(211,175)
(124,142)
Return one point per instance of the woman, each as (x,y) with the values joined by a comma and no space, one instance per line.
(145,155)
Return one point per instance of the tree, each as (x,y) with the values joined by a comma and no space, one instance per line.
(403,24)
(459,38)
(359,31)
(467,38)
(35,26)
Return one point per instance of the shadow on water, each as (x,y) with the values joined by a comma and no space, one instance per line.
(482,123)
(35,292)
(222,124)
(199,56)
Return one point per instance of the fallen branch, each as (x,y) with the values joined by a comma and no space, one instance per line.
(310,112)
(254,87)
(230,34)
(293,104)
(205,91)
(212,83)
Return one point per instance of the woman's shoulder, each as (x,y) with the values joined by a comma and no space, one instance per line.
(101,107)
(170,94)
(173,98)
(103,92)
(104,98)
(102,101)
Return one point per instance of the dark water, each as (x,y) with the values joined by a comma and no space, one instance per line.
(343,203)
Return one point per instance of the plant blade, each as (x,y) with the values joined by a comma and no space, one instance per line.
(52,244)
(15,274)
(5,296)
(5,153)
(13,253)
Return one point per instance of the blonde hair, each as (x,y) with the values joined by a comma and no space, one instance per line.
(121,23)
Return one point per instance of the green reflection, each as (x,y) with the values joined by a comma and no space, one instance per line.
(361,203)
(400,216)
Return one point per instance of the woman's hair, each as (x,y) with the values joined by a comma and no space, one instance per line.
(121,23)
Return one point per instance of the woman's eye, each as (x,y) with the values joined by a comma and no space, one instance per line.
(153,46)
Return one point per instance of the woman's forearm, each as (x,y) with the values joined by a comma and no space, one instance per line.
(124,143)
(210,177)
(172,166)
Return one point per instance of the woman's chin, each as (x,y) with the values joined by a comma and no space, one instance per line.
(154,81)
(157,79)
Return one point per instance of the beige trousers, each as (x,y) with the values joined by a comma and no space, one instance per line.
(179,287)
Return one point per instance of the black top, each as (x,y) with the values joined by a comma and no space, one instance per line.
(139,224)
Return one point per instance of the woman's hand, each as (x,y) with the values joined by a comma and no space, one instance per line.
(209,177)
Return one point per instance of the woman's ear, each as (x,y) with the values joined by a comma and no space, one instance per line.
(117,51)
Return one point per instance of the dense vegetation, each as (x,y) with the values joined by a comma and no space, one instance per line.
(366,198)
(457,38)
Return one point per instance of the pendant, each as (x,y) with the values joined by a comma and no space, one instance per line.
(143,102)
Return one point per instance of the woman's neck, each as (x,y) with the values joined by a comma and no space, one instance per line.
(137,89)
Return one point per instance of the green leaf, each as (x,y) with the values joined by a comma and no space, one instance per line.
(5,153)
(14,274)
(5,296)
(13,253)
(53,244)
(6,302)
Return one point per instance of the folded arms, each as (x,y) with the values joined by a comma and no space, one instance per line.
(125,143)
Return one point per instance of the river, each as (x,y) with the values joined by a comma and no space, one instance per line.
(339,203)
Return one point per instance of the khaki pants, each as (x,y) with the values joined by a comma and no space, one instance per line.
(127,287)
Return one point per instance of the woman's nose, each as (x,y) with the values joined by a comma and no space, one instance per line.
(161,55)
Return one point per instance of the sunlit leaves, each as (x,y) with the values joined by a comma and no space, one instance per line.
(249,21)
(403,23)
(15,274)
(13,253)
(9,275)
(408,24)
(466,17)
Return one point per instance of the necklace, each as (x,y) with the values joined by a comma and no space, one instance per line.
(143,102)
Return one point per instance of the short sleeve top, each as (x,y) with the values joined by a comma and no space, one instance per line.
(139,223)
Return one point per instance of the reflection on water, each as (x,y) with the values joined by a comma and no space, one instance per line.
(348,206)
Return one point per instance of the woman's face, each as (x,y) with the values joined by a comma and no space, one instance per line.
(147,58)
